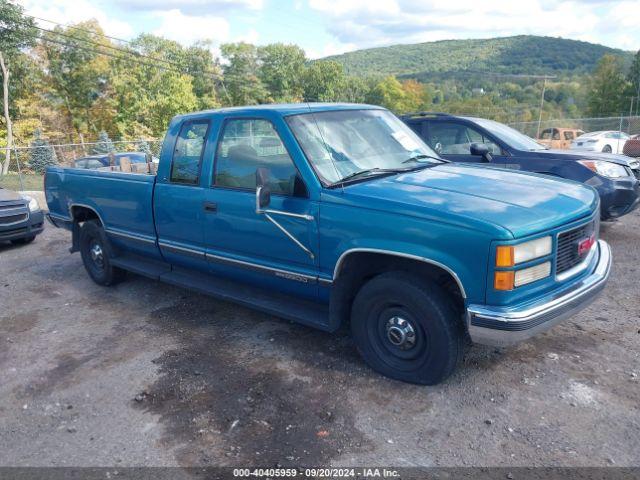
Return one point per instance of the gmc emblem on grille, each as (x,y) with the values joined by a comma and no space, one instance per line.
(585,245)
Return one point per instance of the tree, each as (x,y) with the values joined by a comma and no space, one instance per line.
(16,32)
(80,77)
(281,69)
(41,154)
(389,94)
(143,146)
(104,144)
(355,90)
(607,87)
(241,74)
(323,81)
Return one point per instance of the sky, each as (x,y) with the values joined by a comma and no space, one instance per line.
(327,27)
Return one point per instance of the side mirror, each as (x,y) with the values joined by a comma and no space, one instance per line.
(263,192)
(481,150)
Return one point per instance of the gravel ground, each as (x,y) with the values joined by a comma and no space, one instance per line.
(145,374)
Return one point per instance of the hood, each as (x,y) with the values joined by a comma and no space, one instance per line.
(479,197)
(584,155)
(9,196)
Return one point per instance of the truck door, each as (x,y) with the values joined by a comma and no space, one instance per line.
(179,196)
(274,250)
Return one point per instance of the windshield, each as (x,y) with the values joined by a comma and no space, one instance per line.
(343,143)
(508,135)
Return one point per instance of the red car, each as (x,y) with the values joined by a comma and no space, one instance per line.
(632,147)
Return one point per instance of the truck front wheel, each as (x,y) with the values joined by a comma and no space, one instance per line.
(407,329)
(95,255)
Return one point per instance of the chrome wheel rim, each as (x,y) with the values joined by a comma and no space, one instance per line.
(400,333)
(97,255)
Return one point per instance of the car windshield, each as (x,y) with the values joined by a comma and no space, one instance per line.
(349,144)
(508,135)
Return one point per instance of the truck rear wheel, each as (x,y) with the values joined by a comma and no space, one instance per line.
(94,248)
(407,329)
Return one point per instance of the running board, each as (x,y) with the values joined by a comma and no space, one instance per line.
(274,303)
(146,267)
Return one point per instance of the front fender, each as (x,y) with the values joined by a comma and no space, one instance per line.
(464,254)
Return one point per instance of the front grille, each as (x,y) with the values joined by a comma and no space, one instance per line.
(10,219)
(568,256)
(10,206)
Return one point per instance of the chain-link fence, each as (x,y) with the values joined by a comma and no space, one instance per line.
(627,125)
(26,165)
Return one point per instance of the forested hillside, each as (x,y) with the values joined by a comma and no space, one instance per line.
(524,54)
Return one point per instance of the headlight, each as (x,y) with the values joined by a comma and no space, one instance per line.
(33,203)
(510,255)
(606,169)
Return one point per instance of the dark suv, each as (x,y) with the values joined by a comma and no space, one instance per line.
(477,140)
(20,217)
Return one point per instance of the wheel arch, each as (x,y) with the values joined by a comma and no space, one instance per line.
(81,213)
(356,266)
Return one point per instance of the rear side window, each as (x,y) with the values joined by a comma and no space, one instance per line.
(245,146)
(187,156)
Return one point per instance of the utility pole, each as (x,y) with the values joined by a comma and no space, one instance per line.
(544,87)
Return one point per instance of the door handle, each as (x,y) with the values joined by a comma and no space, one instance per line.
(210,207)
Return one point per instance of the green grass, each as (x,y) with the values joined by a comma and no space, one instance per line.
(32,182)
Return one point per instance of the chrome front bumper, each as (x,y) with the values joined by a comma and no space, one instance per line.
(507,325)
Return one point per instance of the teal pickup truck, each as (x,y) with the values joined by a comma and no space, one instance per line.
(329,214)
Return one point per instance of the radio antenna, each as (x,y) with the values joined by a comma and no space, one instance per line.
(315,121)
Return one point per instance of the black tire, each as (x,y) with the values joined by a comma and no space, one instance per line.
(607,149)
(377,316)
(23,241)
(96,252)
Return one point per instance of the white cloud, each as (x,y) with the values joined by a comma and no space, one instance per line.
(73,11)
(251,36)
(188,29)
(329,49)
(192,7)
(371,23)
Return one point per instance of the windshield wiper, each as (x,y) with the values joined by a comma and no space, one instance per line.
(367,171)
(417,158)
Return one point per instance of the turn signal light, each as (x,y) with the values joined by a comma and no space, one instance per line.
(505,256)
(504,280)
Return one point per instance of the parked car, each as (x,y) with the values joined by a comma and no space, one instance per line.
(101,161)
(467,139)
(559,138)
(333,213)
(632,147)
(20,217)
(605,142)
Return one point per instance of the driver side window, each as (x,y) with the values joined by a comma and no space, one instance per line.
(245,146)
(450,138)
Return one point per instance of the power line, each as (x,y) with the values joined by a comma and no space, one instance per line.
(126,52)
(66,25)
(98,52)
(214,76)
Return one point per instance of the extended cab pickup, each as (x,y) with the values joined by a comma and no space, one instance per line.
(333,213)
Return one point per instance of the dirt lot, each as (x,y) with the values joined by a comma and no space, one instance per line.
(147,374)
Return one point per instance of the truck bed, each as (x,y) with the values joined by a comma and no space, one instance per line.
(123,201)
